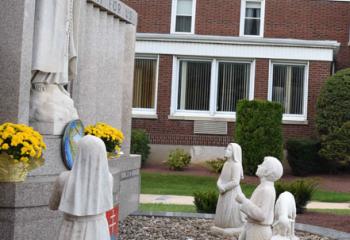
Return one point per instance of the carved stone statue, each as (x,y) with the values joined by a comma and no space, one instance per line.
(85,193)
(260,208)
(53,65)
(228,217)
(285,214)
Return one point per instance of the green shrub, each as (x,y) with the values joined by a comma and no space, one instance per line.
(259,132)
(140,144)
(303,156)
(333,111)
(337,147)
(178,160)
(215,165)
(302,191)
(205,201)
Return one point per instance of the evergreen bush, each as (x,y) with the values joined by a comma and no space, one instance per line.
(302,191)
(303,157)
(205,201)
(259,132)
(215,165)
(333,111)
(337,147)
(140,144)
(178,160)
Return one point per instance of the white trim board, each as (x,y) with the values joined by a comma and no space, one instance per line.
(237,47)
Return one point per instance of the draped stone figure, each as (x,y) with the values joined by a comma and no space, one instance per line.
(85,193)
(260,207)
(228,217)
(54,64)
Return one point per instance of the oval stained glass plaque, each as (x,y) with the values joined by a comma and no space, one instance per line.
(73,132)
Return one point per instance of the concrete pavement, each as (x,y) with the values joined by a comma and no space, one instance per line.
(188,200)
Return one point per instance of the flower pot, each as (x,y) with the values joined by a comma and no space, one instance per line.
(12,172)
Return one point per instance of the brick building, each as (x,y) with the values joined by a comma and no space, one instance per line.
(196,58)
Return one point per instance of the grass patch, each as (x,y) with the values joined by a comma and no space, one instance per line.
(159,207)
(185,185)
(331,211)
(324,196)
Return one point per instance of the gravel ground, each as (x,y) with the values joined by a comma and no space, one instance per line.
(159,228)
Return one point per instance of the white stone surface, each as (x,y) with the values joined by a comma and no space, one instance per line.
(228,214)
(84,212)
(260,207)
(285,214)
(51,110)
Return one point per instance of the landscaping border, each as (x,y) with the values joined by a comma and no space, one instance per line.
(322,231)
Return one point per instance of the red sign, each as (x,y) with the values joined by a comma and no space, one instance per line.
(113,221)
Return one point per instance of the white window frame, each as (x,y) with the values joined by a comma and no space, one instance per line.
(173,18)
(211,114)
(148,112)
(290,118)
(262,18)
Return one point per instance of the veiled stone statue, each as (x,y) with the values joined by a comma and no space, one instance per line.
(53,65)
(285,214)
(228,217)
(260,207)
(84,194)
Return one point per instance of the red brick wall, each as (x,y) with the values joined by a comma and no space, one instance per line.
(180,132)
(220,17)
(313,20)
(154,16)
(300,19)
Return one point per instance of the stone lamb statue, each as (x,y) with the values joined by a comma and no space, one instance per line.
(285,213)
(228,218)
(260,207)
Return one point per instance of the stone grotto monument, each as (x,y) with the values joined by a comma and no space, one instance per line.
(78,66)
(228,218)
(260,207)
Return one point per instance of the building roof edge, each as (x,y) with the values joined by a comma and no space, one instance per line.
(285,42)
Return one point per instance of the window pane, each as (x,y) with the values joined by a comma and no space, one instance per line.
(288,88)
(252,12)
(252,27)
(233,85)
(184,7)
(144,83)
(194,85)
(183,24)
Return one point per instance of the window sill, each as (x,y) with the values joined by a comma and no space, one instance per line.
(142,113)
(203,117)
(146,116)
(184,33)
(294,122)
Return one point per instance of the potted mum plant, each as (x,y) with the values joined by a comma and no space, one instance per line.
(112,137)
(21,149)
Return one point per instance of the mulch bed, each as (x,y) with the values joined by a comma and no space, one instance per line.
(163,228)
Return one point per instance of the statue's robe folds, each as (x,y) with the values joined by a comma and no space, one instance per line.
(55,40)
